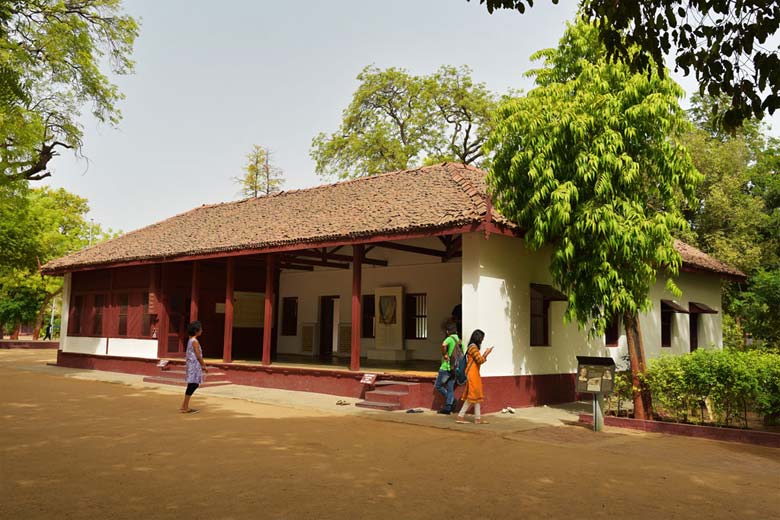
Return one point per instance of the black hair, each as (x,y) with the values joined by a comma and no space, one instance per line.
(476,338)
(193,328)
(452,327)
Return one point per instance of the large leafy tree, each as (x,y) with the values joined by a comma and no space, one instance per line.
(586,163)
(39,225)
(52,56)
(397,120)
(738,217)
(261,176)
(724,42)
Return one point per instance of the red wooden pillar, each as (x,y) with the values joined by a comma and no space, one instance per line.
(357,266)
(194,292)
(268,316)
(227,345)
(162,331)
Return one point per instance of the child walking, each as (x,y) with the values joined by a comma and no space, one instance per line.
(472,394)
(195,365)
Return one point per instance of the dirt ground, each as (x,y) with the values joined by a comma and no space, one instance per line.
(71,448)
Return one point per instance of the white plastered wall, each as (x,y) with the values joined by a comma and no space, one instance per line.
(497,273)
(65,316)
(440,281)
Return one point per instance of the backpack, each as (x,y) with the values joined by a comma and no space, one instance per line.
(458,364)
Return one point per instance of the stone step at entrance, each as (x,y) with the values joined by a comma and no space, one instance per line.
(177,377)
(394,395)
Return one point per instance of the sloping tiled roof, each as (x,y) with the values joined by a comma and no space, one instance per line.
(698,259)
(424,199)
(419,200)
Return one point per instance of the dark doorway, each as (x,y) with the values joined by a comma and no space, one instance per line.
(694,330)
(178,313)
(327,314)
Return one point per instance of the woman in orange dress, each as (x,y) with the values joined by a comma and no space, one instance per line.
(472,394)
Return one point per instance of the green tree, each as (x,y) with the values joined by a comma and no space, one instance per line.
(51,55)
(261,176)
(721,41)
(737,217)
(728,219)
(586,163)
(44,223)
(397,120)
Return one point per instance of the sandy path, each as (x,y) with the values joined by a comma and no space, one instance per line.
(83,449)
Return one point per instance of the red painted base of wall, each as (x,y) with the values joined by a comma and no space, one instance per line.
(515,391)
(769,439)
(29,344)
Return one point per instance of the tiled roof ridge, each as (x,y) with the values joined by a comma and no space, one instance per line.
(288,192)
(364,178)
(479,199)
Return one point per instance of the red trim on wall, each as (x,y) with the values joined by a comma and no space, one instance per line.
(24,344)
(715,433)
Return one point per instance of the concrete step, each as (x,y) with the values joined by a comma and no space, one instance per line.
(386,396)
(375,405)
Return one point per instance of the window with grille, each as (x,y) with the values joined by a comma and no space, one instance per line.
(666,325)
(98,303)
(74,320)
(367,314)
(416,316)
(122,304)
(540,319)
(146,318)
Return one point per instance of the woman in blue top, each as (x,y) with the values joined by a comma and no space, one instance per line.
(195,365)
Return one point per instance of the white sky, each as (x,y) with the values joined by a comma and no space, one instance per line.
(213,78)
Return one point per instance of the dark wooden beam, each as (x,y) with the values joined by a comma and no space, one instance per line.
(454,248)
(287,265)
(341,258)
(316,263)
(413,249)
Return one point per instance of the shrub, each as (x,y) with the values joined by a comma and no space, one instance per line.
(731,382)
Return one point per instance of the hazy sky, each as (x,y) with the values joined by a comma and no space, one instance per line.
(213,78)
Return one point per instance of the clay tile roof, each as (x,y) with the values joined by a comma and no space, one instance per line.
(431,198)
(699,260)
(420,200)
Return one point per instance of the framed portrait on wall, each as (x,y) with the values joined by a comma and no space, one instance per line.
(387,306)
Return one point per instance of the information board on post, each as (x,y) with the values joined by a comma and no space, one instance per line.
(595,375)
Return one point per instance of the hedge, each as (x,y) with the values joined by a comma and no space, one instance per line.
(726,385)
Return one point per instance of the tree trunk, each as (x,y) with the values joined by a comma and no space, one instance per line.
(643,406)
(15,332)
(46,306)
